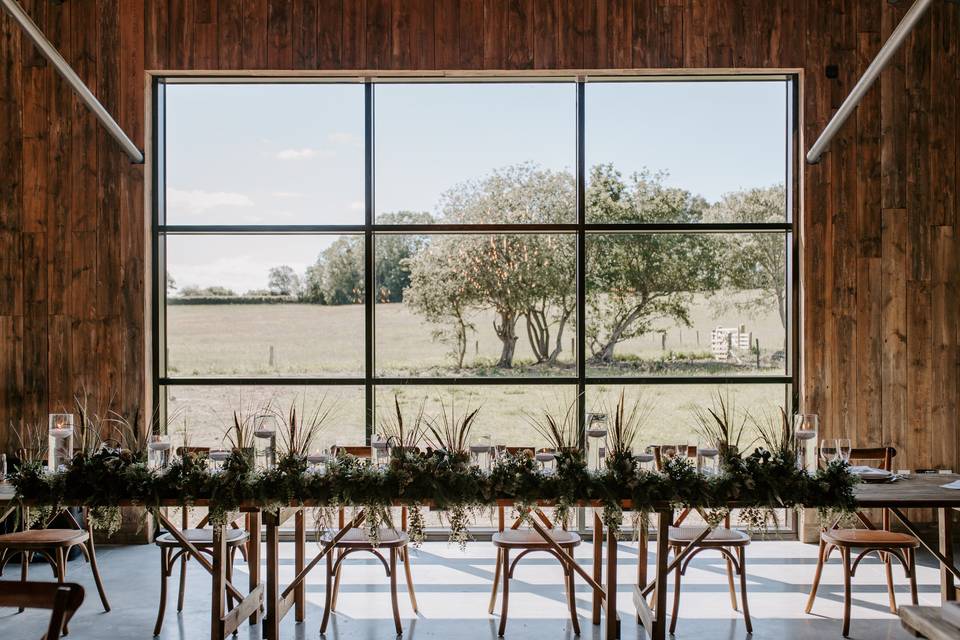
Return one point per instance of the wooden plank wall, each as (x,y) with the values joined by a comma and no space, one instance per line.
(880,235)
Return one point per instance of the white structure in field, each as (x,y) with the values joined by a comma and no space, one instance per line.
(730,343)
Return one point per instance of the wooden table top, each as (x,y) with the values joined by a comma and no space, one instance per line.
(915,491)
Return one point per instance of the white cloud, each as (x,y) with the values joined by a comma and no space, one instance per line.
(356,205)
(287,194)
(198,201)
(296,154)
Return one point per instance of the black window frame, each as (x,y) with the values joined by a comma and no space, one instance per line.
(370,230)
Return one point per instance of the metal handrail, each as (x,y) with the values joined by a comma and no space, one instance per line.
(68,74)
(910,19)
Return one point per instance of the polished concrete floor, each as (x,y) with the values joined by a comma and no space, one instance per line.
(453,589)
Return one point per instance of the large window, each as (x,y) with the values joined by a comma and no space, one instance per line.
(509,244)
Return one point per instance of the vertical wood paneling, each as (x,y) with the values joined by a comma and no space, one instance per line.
(881,264)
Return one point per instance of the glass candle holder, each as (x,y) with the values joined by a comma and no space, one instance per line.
(646,461)
(59,440)
(381,450)
(158,451)
(806,427)
(217,458)
(265,442)
(482,452)
(707,458)
(546,458)
(317,462)
(596,442)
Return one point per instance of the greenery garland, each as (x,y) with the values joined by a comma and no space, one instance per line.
(757,483)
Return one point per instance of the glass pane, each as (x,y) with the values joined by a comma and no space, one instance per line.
(672,417)
(476,305)
(504,411)
(686,304)
(476,153)
(673,151)
(264,305)
(244,154)
(208,410)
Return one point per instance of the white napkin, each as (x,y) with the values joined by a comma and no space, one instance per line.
(864,469)
(953,485)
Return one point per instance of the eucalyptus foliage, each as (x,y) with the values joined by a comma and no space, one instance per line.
(762,481)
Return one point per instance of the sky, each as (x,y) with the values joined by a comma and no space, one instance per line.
(293,153)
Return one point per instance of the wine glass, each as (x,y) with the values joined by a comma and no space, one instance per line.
(828,450)
(843,449)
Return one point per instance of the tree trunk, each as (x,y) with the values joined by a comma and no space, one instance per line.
(605,354)
(507,332)
(538,333)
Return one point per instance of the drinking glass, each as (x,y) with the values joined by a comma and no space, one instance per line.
(806,426)
(158,451)
(843,449)
(828,450)
(265,442)
(481,452)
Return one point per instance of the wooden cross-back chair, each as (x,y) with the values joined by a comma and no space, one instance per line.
(871,539)
(201,538)
(528,541)
(395,541)
(728,542)
(61,598)
(53,545)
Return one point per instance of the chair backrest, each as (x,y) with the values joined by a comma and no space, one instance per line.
(63,599)
(360,451)
(883,455)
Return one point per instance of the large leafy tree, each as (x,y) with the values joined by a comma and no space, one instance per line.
(438,292)
(635,280)
(338,275)
(755,262)
(283,281)
(517,275)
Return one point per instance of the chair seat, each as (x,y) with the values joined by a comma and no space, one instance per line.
(870,538)
(357,538)
(719,537)
(43,538)
(528,538)
(202,537)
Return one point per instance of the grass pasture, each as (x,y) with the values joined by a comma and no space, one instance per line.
(313,340)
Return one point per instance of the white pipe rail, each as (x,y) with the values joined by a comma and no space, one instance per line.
(910,19)
(68,74)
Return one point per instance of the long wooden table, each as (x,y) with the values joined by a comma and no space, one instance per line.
(922,492)
(649,598)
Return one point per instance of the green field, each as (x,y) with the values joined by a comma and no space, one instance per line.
(237,340)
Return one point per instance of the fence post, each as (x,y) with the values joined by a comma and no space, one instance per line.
(271,356)
(758,353)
